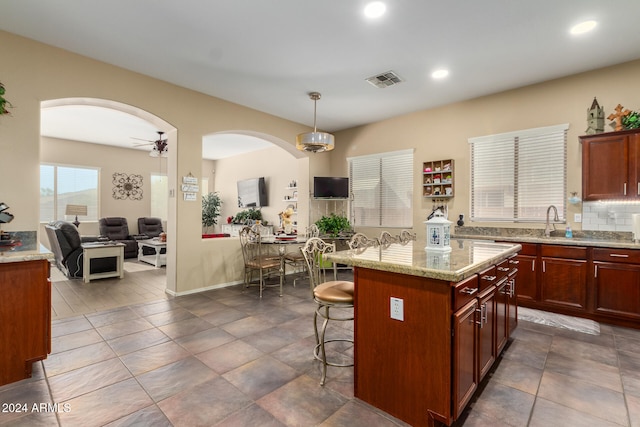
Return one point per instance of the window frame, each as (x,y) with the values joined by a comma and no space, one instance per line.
(91,217)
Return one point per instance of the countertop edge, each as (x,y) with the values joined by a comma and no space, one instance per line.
(343,257)
(597,243)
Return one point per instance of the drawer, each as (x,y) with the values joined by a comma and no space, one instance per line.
(502,269)
(464,291)
(528,249)
(559,251)
(487,278)
(626,256)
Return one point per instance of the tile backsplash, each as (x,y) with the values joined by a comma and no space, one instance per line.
(608,216)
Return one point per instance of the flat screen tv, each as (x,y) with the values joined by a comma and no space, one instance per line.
(330,187)
(252,193)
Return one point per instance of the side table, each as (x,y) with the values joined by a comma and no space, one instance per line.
(157,259)
(95,250)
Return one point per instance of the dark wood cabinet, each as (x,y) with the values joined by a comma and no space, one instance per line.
(25,317)
(616,279)
(502,328)
(465,366)
(486,320)
(527,280)
(610,165)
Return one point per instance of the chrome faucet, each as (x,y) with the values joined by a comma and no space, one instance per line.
(547,229)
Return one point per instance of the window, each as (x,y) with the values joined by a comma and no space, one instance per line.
(159,196)
(67,185)
(515,176)
(382,189)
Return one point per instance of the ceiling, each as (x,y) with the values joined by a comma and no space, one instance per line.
(268,55)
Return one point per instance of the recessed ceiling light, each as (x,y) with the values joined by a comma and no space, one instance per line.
(440,74)
(583,27)
(375,9)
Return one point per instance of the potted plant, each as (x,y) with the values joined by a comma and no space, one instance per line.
(333,225)
(211,205)
(3,102)
(249,216)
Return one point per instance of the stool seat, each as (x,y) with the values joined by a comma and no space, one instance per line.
(335,291)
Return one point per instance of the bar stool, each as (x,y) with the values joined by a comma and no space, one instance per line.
(327,294)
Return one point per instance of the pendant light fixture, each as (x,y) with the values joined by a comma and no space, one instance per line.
(315,142)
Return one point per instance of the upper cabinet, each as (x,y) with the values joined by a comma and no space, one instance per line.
(611,165)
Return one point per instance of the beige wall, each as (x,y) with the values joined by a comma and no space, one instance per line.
(442,133)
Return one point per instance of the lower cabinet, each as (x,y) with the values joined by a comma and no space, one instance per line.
(527,273)
(25,317)
(481,329)
(616,280)
(465,366)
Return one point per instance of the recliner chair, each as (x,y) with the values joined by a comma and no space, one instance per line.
(66,245)
(150,227)
(117,229)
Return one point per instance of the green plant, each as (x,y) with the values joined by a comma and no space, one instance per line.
(211,205)
(3,102)
(631,120)
(248,215)
(333,225)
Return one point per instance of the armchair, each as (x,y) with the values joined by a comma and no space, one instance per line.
(66,245)
(151,228)
(117,229)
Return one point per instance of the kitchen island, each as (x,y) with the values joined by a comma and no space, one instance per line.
(429,325)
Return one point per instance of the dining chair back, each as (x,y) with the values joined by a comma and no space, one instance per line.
(254,258)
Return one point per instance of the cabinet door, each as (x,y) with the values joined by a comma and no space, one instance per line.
(527,282)
(502,314)
(605,167)
(512,309)
(617,289)
(564,283)
(465,374)
(486,331)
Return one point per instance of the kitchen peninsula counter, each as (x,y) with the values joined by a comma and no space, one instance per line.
(457,311)
(25,310)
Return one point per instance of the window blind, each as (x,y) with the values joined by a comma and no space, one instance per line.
(515,176)
(381,186)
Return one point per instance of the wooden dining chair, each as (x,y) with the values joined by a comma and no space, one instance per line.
(255,260)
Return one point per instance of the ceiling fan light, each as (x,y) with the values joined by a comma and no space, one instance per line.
(315,142)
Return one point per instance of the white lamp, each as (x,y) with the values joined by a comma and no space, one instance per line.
(315,141)
(438,233)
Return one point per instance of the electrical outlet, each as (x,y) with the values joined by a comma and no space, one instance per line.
(397,309)
(577,217)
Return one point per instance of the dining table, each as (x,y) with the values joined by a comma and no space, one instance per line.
(281,242)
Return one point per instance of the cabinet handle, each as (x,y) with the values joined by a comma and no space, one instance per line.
(512,287)
(533,265)
(624,188)
(483,315)
(489,278)
(595,271)
(503,268)
(468,291)
(479,323)
(516,262)
(619,255)
(544,267)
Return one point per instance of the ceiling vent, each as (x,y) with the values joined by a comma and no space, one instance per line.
(387,79)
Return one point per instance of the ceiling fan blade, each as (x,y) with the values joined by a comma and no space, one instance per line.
(141,139)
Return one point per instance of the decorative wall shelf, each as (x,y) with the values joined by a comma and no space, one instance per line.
(437,179)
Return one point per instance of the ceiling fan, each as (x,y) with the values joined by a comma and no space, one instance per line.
(159,148)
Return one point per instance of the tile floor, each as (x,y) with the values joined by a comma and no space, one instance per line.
(227,358)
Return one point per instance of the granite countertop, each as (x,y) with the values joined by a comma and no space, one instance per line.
(26,253)
(466,258)
(615,240)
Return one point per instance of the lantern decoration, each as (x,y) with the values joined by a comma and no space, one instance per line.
(438,233)
(438,260)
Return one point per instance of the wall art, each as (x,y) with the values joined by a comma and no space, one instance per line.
(127,186)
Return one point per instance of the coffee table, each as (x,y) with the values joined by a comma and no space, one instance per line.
(156,259)
(95,250)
